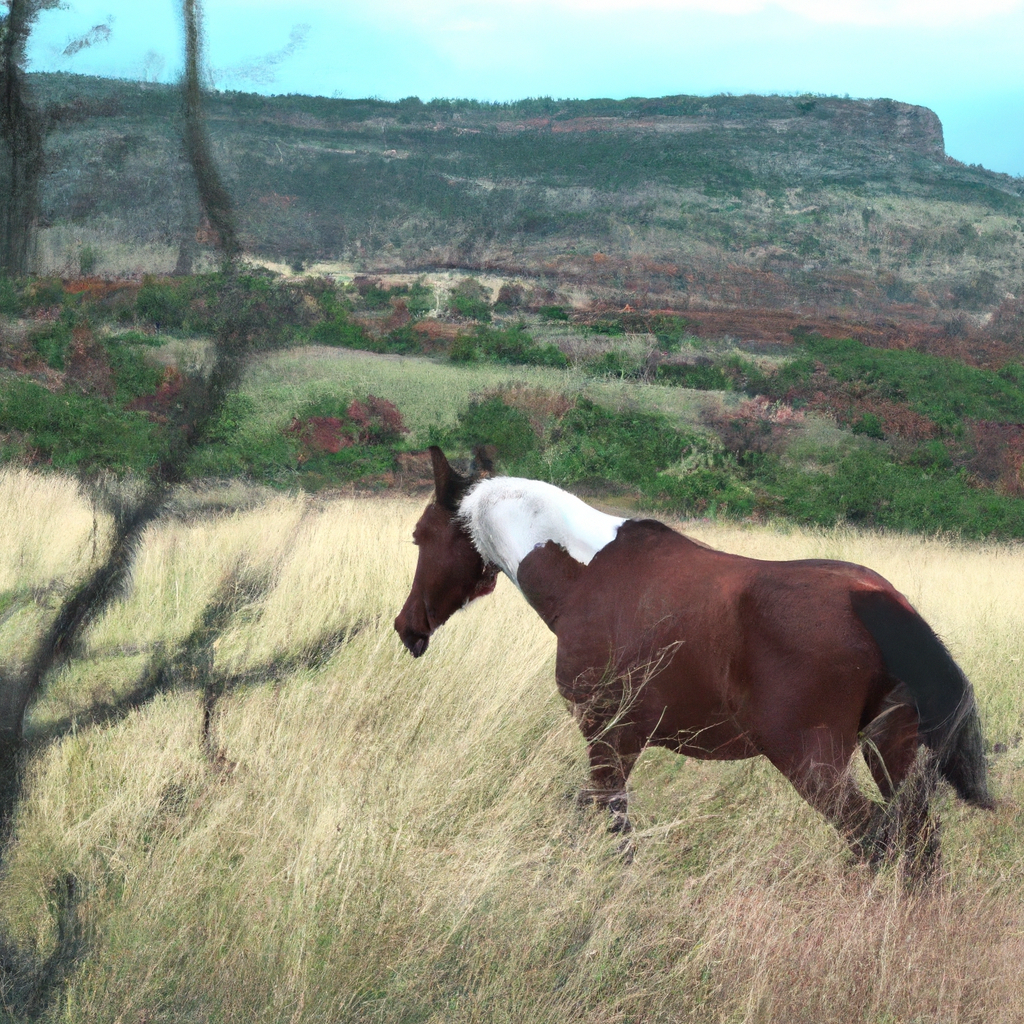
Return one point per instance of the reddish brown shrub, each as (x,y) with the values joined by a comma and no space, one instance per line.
(757,426)
(158,404)
(998,459)
(87,367)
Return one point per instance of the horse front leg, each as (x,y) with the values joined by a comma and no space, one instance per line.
(612,751)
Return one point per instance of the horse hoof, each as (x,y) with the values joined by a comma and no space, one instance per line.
(627,850)
(620,825)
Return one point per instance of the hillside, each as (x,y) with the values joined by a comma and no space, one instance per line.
(346,385)
(822,204)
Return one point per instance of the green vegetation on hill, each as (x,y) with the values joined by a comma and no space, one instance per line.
(917,442)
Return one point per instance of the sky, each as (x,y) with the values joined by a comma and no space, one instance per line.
(963,60)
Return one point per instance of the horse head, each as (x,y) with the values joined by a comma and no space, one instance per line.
(449,572)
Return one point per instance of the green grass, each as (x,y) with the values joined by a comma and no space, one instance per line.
(943,389)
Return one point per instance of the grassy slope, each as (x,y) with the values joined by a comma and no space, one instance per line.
(802,427)
(431,393)
(385,839)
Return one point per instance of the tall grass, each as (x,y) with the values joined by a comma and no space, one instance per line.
(368,837)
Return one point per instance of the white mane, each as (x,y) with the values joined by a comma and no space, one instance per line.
(507,517)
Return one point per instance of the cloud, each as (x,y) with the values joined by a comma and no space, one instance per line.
(879,13)
(97,34)
(261,70)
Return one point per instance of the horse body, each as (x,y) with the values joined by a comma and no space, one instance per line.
(664,641)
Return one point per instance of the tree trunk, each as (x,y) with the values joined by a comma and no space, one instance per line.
(21,158)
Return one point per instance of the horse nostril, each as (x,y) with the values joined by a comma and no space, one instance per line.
(418,646)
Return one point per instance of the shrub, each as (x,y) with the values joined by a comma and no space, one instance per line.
(133,374)
(512,345)
(78,432)
(52,343)
(553,313)
(88,257)
(335,439)
(473,309)
(700,376)
(10,300)
(510,297)
(618,364)
(469,298)
(419,298)
(43,293)
(339,331)
(491,421)
(868,424)
(164,304)
(402,341)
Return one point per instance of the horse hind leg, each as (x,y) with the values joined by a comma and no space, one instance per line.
(817,763)
(906,776)
(889,745)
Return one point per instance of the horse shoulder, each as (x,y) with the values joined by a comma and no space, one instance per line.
(547,577)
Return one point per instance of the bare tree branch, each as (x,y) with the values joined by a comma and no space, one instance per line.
(213,195)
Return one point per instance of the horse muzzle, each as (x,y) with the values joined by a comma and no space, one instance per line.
(416,642)
(413,639)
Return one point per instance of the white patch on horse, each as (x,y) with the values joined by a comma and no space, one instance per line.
(507,517)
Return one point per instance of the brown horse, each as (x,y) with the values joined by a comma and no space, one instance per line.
(664,641)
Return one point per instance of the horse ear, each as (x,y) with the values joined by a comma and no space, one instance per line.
(483,460)
(442,472)
(449,486)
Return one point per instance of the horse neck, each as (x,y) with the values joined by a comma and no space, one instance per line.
(508,517)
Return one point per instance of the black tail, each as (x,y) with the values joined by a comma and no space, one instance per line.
(945,701)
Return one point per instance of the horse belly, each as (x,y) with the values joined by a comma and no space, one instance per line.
(695,719)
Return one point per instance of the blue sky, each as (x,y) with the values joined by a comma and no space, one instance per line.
(965,61)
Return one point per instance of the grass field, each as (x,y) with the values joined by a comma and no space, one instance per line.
(431,393)
(243,800)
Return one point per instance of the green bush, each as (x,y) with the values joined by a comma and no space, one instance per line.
(491,421)
(52,344)
(618,364)
(87,260)
(866,486)
(703,376)
(164,304)
(340,332)
(869,425)
(133,374)
(671,332)
(79,432)
(10,299)
(402,341)
(513,346)
(474,309)
(942,389)
(630,446)
(553,313)
(419,299)
(43,293)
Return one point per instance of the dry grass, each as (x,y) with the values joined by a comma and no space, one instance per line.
(382,839)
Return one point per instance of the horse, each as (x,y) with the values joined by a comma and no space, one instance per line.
(665,641)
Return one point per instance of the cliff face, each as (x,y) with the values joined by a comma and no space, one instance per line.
(736,200)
